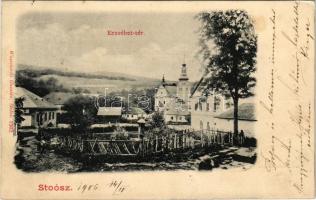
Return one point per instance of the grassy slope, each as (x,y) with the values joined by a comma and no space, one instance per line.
(95,82)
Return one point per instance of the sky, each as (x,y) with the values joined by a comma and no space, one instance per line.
(79,42)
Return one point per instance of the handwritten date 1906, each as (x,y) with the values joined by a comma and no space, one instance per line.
(116,187)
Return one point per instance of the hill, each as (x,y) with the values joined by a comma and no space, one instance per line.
(34,77)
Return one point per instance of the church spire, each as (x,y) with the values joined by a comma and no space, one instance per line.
(163,78)
(183,75)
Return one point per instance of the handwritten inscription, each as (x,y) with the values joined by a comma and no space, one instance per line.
(268,106)
(304,50)
(290,151)
(279,158)
(116,187)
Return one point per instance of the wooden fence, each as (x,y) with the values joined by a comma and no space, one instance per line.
(149,146)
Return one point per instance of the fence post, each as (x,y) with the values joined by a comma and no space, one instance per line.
(167,142)
(147,146)
(156,143)
(183,140)
(143,147)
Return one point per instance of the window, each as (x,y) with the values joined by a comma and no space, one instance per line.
(217,102)
(45,116)
(53,115)
(227,105)
(49,115)
(171,118)
(196,106)
(26,111)
(180,118)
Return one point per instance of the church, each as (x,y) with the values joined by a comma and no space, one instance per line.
(172,98)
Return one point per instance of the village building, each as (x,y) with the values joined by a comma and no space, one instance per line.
(133,114)
(215,112)
(172,98)
(246,119)
(37,112)
(176,113)
(109,114)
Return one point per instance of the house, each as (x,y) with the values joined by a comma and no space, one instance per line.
(176,113)
(246,119)
(109,114)
(204,108)
(133,114)
(214,111)
(37,112)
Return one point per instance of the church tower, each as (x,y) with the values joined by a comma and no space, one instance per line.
(183,86)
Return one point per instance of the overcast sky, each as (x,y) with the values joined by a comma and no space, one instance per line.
(80,42)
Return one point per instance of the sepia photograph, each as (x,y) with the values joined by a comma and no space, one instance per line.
(157,100)
(91,96)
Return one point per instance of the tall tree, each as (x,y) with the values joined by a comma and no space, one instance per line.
(81,111)
(228,47)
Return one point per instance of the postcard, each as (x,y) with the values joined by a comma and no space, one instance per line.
(157,100)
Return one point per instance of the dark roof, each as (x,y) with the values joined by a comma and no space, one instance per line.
(31,100)
(109,111)
(58,98)
(246,111)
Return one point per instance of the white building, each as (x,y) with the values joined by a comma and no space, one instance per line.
(176,113)
(205,108)
(173,98)
(133,114)
(216,112)
(246,119)
(37,112)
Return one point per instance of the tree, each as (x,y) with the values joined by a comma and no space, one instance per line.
(231,62)
(81,112)
(18,112)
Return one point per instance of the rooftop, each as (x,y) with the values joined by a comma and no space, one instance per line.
(109,111)
(135,111)
(31,100)
(246,111)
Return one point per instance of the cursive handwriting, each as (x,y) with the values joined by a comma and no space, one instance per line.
(269,106)
(279,155)
(294,39)
(116,187)
(291,137)
(306,47)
